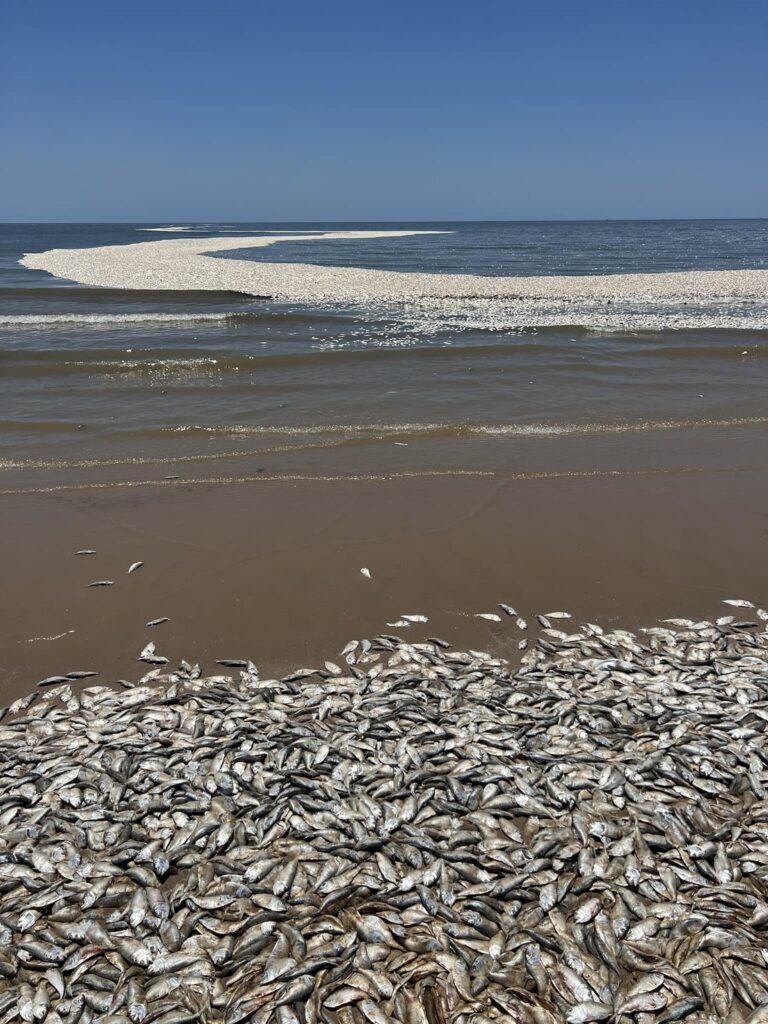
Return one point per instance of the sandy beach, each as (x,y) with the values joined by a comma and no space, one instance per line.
(274,564)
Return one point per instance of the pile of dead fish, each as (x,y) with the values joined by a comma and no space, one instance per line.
(415,834)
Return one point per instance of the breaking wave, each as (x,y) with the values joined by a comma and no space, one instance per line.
(379,431)
(44,320)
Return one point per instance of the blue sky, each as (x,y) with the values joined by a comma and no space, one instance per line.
(235,110)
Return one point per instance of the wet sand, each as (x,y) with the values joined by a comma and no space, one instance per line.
(270,569)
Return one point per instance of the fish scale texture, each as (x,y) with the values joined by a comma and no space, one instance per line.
(417,834)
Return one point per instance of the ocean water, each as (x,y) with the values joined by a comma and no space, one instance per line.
(110,379)
(540,248)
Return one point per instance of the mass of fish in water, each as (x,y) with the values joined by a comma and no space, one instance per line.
(414,834)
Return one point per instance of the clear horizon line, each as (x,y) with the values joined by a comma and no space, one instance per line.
(459,220)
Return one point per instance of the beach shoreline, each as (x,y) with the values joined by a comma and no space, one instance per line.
(255,457)
(273,565)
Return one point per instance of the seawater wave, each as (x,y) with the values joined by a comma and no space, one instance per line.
(319,436)
(265,478)
(188,348)
(46,320)
(379,431)
(265,350)
(284,478)
(417,327)
(82,296)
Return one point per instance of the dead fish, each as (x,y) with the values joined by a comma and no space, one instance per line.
(415,618)
(417,833)
(344,995)
(134,567)
(232,662)
(53,680)
(365,572)
(148,655)
(102,583)
(158,622)
(490,616)
(582,1013)
(296,991)
(681,1008)
(643,1002)
(80,675)
(85,551)
(587,1011)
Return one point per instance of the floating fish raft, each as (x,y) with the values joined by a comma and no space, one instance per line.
(416,834)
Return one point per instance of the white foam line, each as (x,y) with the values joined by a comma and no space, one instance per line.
(187,264)
(102,319)
(352,478)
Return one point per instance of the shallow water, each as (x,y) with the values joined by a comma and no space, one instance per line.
(98,375)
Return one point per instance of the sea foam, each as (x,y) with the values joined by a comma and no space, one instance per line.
(43,320)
